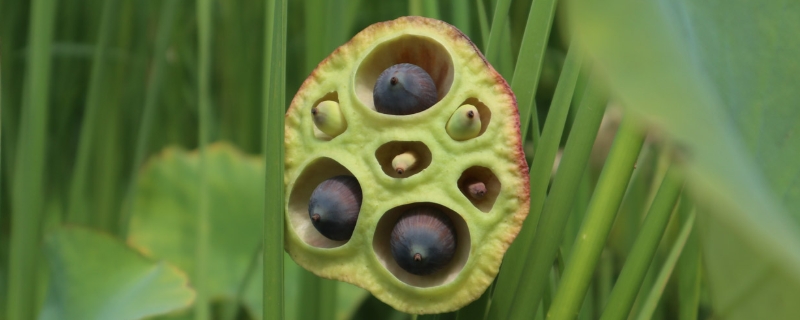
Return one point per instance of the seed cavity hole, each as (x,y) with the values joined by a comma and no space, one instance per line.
(480,186)
(423,278)
(402,159)
(421,51)
(335,197)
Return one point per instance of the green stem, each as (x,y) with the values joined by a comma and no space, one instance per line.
(315,17)
(28,192)
(541,169)
(688,268)
(204,20)
(521,296)
(492,48)
(651,302)
(483,22)
(598,220)
(415,8)
(529,65)
(163,36)
(431,8)
(274,108)
(644,248)
(461,16)
(78,210)
(317,292)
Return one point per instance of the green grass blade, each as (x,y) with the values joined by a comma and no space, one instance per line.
(163,36)
(689,269)
(604,279)
(318,297)
(599,218)
(505,59)
(549,231)
(541,168)
(3,244)
(204,20)
(424,8)
(415,8)
(315,17)
(529,65)
(461,15)
(483,22)
(274,108)
(431,9)
(650,303)
(28,189)
(492,47)
(644,249)
(78,209)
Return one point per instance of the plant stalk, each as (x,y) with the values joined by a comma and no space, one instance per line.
(651,302)
(598,220)
(28,189)
(274,108)
(526,292)
(644,248)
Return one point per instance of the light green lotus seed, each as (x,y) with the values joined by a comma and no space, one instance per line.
(465,123)
(404,161)
(329,118)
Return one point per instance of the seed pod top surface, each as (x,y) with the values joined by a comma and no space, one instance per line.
(372,140)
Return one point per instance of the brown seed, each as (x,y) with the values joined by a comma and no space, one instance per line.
(477,190)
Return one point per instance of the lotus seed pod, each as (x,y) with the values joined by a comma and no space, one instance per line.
(328,118)
(404,161)
(465,123)
(404,89)
(423,240)
(477,190)
(334,206)
(373,147)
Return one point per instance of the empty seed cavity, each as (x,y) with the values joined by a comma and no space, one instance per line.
(402,159)
(480,186)
(422,244)
(324,204)
(328,118)
(410,73)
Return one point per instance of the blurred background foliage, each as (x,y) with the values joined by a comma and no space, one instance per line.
(714,80)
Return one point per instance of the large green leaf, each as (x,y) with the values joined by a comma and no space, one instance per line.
(164,223)
(720,78)
(94,276)
(164,220)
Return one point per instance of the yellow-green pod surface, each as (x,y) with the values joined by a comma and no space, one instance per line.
(485,228)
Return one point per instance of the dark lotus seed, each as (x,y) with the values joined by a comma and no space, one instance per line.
(404,89)
(334,206)
(423,241)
